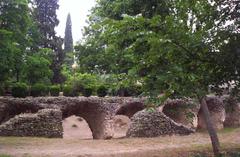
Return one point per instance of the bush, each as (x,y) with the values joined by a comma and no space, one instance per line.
(1,91)
(54,90)
(69,91)
(102,91)
(78,86)
(87,92)
(39,90)
(128,91)
(20,90)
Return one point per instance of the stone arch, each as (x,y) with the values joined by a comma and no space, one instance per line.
(11,107)
(121,126)
(182,111)
(76,127)
(129,109)
(98,112)
(94,110)
(98,119)
(217,113)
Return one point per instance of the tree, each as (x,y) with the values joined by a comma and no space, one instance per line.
(57,62)
(172,47)
(68,42)
(14,24)
(37,69)
(6,55)
(46,19)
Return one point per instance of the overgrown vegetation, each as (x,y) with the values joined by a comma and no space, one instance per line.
(39,89)
(20,90)
(158,49)
(54,90)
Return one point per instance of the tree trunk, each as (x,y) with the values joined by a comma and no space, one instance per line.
(211,130)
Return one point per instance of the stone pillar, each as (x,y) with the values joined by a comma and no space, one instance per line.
(217,113)
(232,107)
(101,127)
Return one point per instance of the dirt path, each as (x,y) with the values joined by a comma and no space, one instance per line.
(75,145)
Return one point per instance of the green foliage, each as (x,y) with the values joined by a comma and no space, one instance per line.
(132,90)
(6,50)
(20,90)
(161,45)
(4,155)
(87,92)
(69,91)
(38,69)
(14,23)
(46,21)
(80,81)
(54,90)
(1,91)
(39,89)
(123,85)
(68,42)
(102,91)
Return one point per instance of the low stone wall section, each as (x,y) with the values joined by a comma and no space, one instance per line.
(98,112)
(182,111)
(45,123)
(154,123)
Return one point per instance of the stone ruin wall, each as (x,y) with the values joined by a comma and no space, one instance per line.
(217,113)
(44,123)
(153,124)
(232,107)
(184,111)
(99,114)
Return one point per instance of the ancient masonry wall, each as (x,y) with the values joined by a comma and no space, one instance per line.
(45,123)
(153,124)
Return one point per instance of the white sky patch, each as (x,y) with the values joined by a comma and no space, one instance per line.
(79,9)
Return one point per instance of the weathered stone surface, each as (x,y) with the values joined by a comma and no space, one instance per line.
(155,123)
(98,112)
(45,123)
(217,113)
(182,111)
(232,107)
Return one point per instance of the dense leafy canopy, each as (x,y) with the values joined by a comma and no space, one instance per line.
(171,47)
(14,22)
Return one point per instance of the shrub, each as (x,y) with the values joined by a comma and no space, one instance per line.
(20,90)
(102,91)
(1,91)
(39,90)
(78,86)
(87,92)
(69,91)
(132,90)
(54,90)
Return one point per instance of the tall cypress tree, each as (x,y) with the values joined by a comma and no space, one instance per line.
(46,19)
(68,42)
